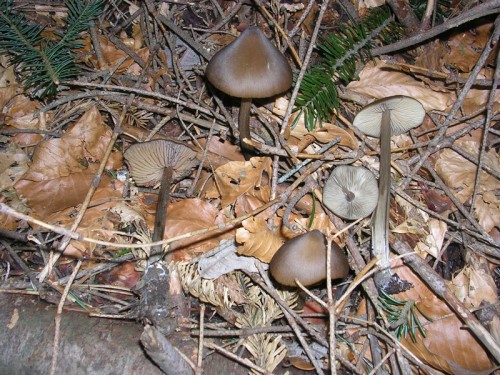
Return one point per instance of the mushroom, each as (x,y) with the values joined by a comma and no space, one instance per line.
(303,258)
(163,162)
(351,192)
(249,67)
(383,118)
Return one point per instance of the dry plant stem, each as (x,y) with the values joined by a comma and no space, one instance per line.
(405,14)
(380,218)
(487,124)
(312,44)
(436,283)
(244,122)
(57,320)
(388,335)
(243,361)
(75,236)
(199,368)
(331,308)
(482,10)
(382,361)
(163,353)
(429,11)
(161,214)
(23,265)
(280,30)
(291,321)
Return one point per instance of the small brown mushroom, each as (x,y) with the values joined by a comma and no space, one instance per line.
(303,258)
(249,67)
(351,192)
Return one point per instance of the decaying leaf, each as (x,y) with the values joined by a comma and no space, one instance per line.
(237,178)
(258,240)
(377,82)
(455,352)
(323,133)
(188,215)
(225,259)
(459,174)
(13,164)
(65,167)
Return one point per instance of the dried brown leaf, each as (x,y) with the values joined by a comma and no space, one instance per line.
(453,352)
(258,240)
(237,178)
(377,82)
(189,215)
(459,174)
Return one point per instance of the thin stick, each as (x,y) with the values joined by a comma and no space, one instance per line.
(199,368)
(57,320)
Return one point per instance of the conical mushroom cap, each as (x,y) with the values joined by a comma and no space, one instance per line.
(250,67)
(351,192)
(405,113)
(146,161)
(304,258)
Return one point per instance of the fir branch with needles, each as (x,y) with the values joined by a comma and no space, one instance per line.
(340,51)
(45,63)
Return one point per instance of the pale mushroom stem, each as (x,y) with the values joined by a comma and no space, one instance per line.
(244,122)
(380,219)
(161,214)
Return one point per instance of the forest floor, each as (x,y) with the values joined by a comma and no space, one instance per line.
(136,202)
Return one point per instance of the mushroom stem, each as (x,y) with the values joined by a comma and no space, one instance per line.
(380,219)
(161,214)
(244,122)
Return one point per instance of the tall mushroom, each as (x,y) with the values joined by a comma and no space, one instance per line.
(351,192)
(163,162)
(383,118)
(303,258)
(150,163)
(247,68)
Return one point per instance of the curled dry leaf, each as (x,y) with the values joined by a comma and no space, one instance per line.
(377,82)
(323,134)
(237,178)
(459,174)
(258,240)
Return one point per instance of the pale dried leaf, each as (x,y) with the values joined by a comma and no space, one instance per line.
(225,259)
(377,82)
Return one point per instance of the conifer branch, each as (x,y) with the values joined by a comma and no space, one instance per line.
(44,63)
(318,93)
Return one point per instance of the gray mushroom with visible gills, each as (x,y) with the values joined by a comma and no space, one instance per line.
(303,258)
(383,118)
(250,67)
(159,161)
(351,192)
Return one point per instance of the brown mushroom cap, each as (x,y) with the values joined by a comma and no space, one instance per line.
(351,192)
(250,67)
(304,258)
(405,113)
(146,161)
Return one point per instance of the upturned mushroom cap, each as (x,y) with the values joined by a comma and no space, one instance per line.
(304,258)
(351,192)
(405,113)
(146,161)
(250,67)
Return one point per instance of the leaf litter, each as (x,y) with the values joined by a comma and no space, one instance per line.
(47,169)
